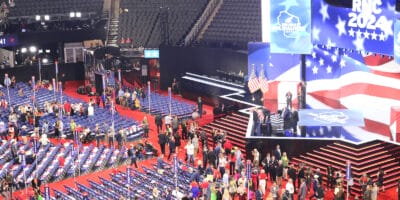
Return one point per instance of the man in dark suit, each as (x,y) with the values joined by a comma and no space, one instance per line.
(278,152)
(162,140)
(158,122)
(200,106)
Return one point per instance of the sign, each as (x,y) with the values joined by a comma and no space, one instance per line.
(367,26)
(8,40)
(47,192)
(330,117)
(291,26)
(151,53)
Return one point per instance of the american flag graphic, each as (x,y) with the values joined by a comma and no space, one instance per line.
(253,82)
(346,79)
(263,81)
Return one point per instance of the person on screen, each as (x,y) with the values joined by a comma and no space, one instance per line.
(289,97)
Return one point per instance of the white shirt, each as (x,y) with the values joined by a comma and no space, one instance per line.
(290,187)
(90,111)
(189,149)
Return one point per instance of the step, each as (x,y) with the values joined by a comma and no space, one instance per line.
(358,149)
(234,122)
(352,151)
(231,125)
(354,168)
(353,160)
(224,128)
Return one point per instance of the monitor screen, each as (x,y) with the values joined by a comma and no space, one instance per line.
(151,53)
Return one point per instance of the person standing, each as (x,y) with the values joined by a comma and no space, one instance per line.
(145,126)
(380,175)
(290,188)
(398,190)
(303,190)
(162,140)
(175,124)
(158,122)
(274,191)
(200,106)
(190,152)
(171,144)
(289,97)
(132,155)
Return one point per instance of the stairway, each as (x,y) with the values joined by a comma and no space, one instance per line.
(235,125)
(112,34)
(365,158)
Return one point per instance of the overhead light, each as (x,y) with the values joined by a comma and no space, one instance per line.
(47,17)
(78,14)
(72,14)
(23,50)
(47,50)
(32,49)
(45,60)
(37,17)
(40,51)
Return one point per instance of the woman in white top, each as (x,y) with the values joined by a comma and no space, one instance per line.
(190,152)
(221,163)
(195,142)
(90,110)
(44,140)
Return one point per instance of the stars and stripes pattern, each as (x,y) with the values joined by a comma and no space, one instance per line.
(253,82)
(263,81)
(346,79)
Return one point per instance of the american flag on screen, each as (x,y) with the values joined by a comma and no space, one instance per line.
(253,82)
(345,79)
(263,81)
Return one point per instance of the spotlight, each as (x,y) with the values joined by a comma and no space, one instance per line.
(71,14)
(47,50)
(37,17)
(47,17)
(78,14)
(32,49)
(40,51)
(45,60)
(23,50)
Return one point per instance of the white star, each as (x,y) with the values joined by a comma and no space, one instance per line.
(359,43)
(374,36)
(334,58)
(340,26)
(324,11)
(330,44)
(270,64)
(366,34)
(329,69)
(351,32)
(342,63)
(358,33)
(390,7)
(314,55)
(321,61)
(315,33)
(382,37)
(326,53)
(315,70)
(288,4)
(387,27)
(308,63)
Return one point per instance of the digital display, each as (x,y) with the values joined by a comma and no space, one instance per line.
(8,40)
(151,53)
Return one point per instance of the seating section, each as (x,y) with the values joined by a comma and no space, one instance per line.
(47,165)
(141,187)
(43,95)
(237,22)
(235,125)
(141,20)
(49,7)
(366,158)
(159,104)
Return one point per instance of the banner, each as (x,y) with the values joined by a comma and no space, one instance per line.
(348,170)
(396,50)
(367,26)
(291,26)
(46,192)
(176,166)
(128,176)
(8,40)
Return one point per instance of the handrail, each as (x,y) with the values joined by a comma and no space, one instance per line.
(212,4)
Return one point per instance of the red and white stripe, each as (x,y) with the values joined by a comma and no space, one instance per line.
(253,84)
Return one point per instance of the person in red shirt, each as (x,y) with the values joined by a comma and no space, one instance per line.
(263,181)
(254,179)
(227,147)
(67,108)
(61,160)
